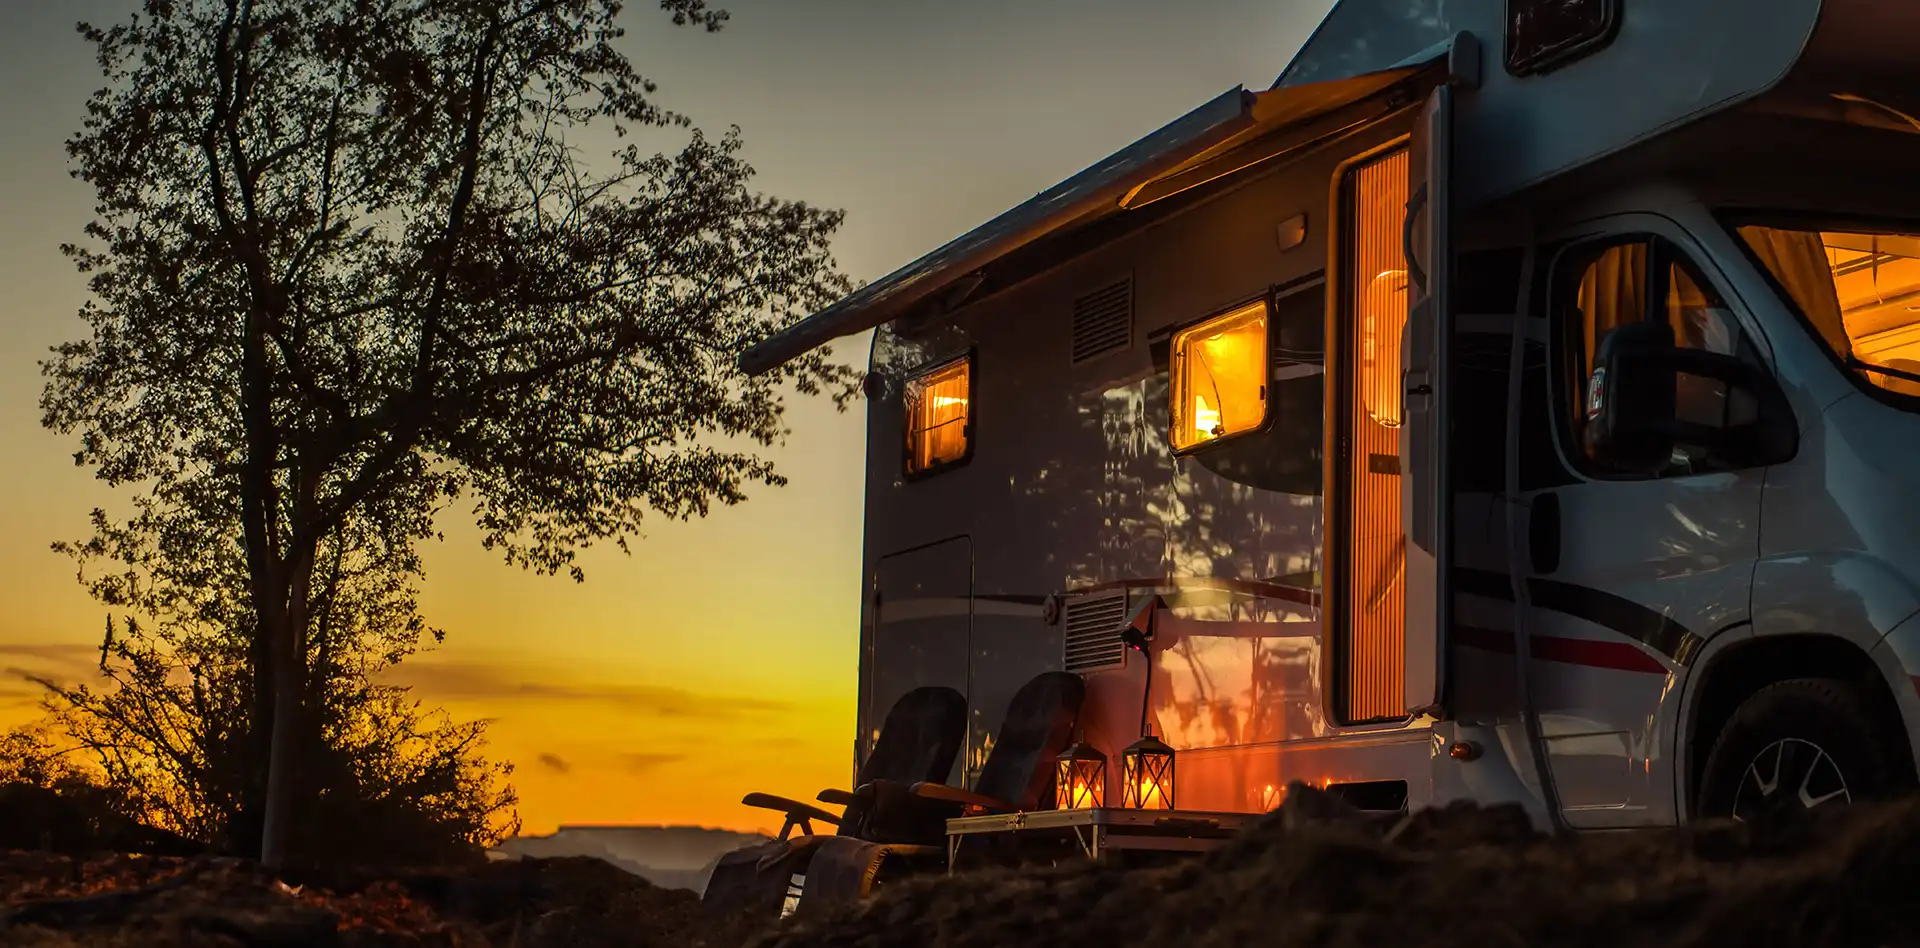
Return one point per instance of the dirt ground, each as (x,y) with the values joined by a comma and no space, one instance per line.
(1312,873)
(58,902)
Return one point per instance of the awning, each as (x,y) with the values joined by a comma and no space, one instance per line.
(1196,148)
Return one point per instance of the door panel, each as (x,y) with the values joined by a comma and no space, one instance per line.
(1630,574)
(1370,537)
(1425,497)
(923,627)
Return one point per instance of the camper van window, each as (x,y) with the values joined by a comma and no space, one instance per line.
(1543,34)
(1600,289)
(1219,377)
(1859,292)
(939,419)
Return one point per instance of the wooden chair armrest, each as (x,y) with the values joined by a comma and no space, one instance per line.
(795,810)
(836,797)
(940,791)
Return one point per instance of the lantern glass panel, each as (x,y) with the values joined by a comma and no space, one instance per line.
(1080,779)
(1147,775)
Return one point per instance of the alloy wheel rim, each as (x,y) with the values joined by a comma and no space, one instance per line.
(1788,776)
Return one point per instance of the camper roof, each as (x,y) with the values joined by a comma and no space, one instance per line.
(1663,65)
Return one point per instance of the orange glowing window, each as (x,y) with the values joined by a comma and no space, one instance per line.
(939,423)
(1860,292)
(1219,377)
(1383,323)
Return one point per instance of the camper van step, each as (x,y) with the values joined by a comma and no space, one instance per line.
(1381,796)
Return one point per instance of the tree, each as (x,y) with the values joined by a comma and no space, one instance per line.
(167,734)
(350,266)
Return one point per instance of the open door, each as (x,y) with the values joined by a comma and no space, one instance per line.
(1425,501)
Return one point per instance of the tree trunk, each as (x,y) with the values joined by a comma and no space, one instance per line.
(276,817)
(244,836)
(290,672)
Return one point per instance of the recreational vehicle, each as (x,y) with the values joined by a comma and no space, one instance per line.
(1519,401)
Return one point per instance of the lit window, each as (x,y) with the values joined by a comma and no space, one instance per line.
(1860,292)
(1383,323)
(1220,377)
(938,421)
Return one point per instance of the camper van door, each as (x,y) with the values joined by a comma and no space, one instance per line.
(1423,442)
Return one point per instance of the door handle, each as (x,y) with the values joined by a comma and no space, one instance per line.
(1543,533)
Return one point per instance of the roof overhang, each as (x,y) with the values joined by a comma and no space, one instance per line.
(1207,143)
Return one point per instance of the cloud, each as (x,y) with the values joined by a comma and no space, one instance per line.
(12,694)
(554,763)
(475,681)
(640,763)
(66,656)
(24,680)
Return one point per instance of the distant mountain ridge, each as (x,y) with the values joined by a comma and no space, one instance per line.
(672,857)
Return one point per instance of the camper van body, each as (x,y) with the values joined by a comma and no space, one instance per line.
(1402,575)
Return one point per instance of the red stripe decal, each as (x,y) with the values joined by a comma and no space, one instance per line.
(1619,656)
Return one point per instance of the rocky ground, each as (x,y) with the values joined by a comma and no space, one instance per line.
(1312,873)
(48,900)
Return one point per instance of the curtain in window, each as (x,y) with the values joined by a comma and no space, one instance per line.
(1613,292)
(1799,261)
(1376,317)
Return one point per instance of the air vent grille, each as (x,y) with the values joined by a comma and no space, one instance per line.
(1093,625)
(1103,321)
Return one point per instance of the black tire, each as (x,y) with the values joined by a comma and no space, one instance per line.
(1795,745)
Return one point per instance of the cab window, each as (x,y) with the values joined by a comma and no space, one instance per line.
(1600,287)
(1858,292)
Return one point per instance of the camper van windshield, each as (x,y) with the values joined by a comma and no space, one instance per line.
(1859,292)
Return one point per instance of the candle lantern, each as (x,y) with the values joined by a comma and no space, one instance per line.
(1146,768)
(1146,772)
(1080,778)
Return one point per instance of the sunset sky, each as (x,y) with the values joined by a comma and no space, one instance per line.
(720,657)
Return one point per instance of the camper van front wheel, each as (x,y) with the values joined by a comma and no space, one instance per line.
(1792,746)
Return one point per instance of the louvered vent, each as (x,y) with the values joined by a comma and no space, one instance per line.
(1092,625)
(1103,321)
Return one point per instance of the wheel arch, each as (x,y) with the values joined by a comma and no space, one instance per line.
(1738,663)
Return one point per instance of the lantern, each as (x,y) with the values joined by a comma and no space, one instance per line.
(1080,778)
(1146,774)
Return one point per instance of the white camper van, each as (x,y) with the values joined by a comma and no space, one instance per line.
(1518,401)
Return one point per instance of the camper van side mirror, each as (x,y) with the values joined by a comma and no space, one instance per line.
(1635,419)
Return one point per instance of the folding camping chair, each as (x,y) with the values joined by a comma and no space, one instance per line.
(905,823)
(918,741)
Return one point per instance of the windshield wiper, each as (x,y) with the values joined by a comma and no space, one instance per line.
(1855,361)
(1858,363)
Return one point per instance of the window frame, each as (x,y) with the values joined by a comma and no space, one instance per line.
(1665,249)
(970,359)
(1564,54)
(1732,221)
(1266,300)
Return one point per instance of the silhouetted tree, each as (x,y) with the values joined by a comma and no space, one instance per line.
(166,737)
(350,266)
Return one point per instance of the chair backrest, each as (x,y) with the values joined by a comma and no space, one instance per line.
(920,737)
(918,741)
(1038,726)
